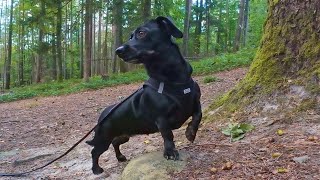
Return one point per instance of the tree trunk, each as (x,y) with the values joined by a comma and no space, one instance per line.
(8,60)
(59,39)
(88,41)
(146,10)
(285,73)
(197,32)
(40,43)
(236,45)
(99,48)
(186,27)
(81,64)
(21,47)
(104,70)
(245,23)
(117,24)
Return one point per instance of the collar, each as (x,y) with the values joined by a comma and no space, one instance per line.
(177,89)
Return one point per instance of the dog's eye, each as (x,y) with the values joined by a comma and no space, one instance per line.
(141,34)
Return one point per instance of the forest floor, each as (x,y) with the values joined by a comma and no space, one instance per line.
(34,131)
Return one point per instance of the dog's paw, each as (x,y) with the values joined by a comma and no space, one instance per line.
(121,158)
(97,170)
(171,154)
(190,134)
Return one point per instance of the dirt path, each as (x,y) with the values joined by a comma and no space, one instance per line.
(34,131)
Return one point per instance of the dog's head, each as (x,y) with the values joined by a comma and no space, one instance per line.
(148,40)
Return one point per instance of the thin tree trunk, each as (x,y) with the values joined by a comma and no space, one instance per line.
(59,39)
(71,42)
(118,8)
(8,60)
(104,71)
(21,47)
(245,23)
(197,32)
(88,40)
(236,45)
(81,41)
(99,48)
(208,39)
(40,53)
(146,9)
(186,27)
(227,26)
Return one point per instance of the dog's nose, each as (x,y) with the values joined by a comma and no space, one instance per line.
(120,50)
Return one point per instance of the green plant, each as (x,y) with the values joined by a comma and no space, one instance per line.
(237,131)
(209,79)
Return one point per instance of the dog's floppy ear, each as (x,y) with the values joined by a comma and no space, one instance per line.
(169,26)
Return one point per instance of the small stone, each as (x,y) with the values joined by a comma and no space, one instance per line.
(263,149)
(301,159)
(213,170)
(227,166)
(312,138)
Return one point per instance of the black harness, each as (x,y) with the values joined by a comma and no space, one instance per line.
(175,91)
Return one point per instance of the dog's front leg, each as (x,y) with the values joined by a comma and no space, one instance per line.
(193,126)
(170,151)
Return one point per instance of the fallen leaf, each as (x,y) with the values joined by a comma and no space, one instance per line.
(275,155)
(147,142)
(280,132)
(227,166)
(282,170)
(213,170)
(312,138)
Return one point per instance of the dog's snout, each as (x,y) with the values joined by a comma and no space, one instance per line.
(120,50)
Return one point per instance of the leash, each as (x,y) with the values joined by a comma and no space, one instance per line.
(70,149)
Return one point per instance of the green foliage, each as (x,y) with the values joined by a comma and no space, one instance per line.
(209,79)
(53,88)
(258,14)
(223,62)
(237,131)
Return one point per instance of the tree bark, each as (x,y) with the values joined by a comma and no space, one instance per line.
(186,27)
(146,10)
(40,43)
(286,68)
(88,40)
(245,23)
(9,56)
(117,24)
(237,39)
(59,39)
(197,32)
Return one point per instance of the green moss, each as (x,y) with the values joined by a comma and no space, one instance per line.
(307,104)
(275,2)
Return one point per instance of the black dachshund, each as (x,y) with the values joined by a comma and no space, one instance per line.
(165,101)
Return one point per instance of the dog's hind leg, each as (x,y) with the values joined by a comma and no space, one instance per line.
(117,141)
(101,143)
(193,126)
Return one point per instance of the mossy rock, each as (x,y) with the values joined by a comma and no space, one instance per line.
(153,166)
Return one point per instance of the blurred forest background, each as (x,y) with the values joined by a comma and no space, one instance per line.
(54,40)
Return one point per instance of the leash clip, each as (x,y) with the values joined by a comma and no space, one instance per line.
(186,91)
(161,86)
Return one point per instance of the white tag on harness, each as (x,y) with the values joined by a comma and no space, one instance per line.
(186,91)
